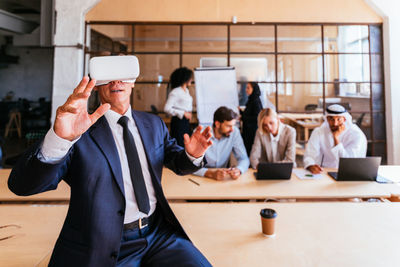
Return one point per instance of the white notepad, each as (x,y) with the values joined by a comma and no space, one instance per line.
(304,174)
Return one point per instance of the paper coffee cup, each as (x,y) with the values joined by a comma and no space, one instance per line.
(268,222)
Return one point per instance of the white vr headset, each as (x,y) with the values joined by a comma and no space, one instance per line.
(114,68)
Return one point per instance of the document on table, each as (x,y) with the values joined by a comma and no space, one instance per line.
(304,174)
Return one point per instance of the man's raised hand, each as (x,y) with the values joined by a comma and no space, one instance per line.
(197,144)
(72,118)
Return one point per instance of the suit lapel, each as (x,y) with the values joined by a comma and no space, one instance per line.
(145,129)
(268,147)
(102,135)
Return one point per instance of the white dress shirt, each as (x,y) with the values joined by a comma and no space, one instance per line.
(179,101)
(274,144)
(55,148)
(321,148)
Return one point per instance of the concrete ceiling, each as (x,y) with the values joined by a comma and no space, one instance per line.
(19,16)
(21,6)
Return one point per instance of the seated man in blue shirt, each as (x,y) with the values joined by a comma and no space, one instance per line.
(226,139)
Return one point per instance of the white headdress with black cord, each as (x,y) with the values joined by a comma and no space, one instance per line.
(338,110)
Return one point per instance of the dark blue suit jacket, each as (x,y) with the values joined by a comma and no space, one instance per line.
(92,230)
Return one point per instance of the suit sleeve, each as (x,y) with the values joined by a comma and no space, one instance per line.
(255,153)
(240,153)
(31,176)
(175,157)
(290,153)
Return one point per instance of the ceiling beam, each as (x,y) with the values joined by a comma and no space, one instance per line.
(16,24)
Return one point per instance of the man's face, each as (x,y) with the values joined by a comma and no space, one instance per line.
(225,128)
(270,124)
(335,122)
(116,93)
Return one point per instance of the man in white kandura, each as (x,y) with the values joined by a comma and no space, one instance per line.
(338,137)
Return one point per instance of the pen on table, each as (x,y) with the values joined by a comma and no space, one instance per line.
(194,181)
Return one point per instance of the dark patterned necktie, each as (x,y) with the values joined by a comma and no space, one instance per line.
(139,186)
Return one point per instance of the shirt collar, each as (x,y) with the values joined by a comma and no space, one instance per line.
(213,133)
(222,136)
(276,138)
(113,117)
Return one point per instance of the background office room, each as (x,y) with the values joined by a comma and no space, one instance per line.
(305,56)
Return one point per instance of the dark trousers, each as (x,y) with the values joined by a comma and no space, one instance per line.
(158,245)
(178,128)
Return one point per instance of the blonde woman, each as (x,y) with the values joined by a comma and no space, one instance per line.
(274,141)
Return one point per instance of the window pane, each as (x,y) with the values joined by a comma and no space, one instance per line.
(350,90)
(258,68)
(300,68)
(299,97)
(203,38)
(192,92)
(111,38)
(353,96)
(145,95)
(157,38)
(347,68)
(376,38)
(267,97)
(204,60)
(299,39)
(252,38)
(157,67)
(363,121)
(346,39)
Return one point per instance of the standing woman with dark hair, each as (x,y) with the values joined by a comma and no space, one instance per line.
(179,103)
(249,115)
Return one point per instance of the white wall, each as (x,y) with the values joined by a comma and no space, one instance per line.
(32,77)
(389,11)
(68,58)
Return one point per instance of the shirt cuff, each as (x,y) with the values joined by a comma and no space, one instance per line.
(241,169)
(196,161)
(201,172)
(308,162)
(54,148)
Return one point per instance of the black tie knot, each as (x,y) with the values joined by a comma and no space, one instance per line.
(123,121)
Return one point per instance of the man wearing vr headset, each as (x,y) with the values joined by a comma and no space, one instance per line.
(118,214)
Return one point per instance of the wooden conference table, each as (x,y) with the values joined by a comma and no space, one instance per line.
(32,233)
(307,234)
(62,193)
(229,234)
(247,187)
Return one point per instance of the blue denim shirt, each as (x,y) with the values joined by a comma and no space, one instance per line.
(219,153)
